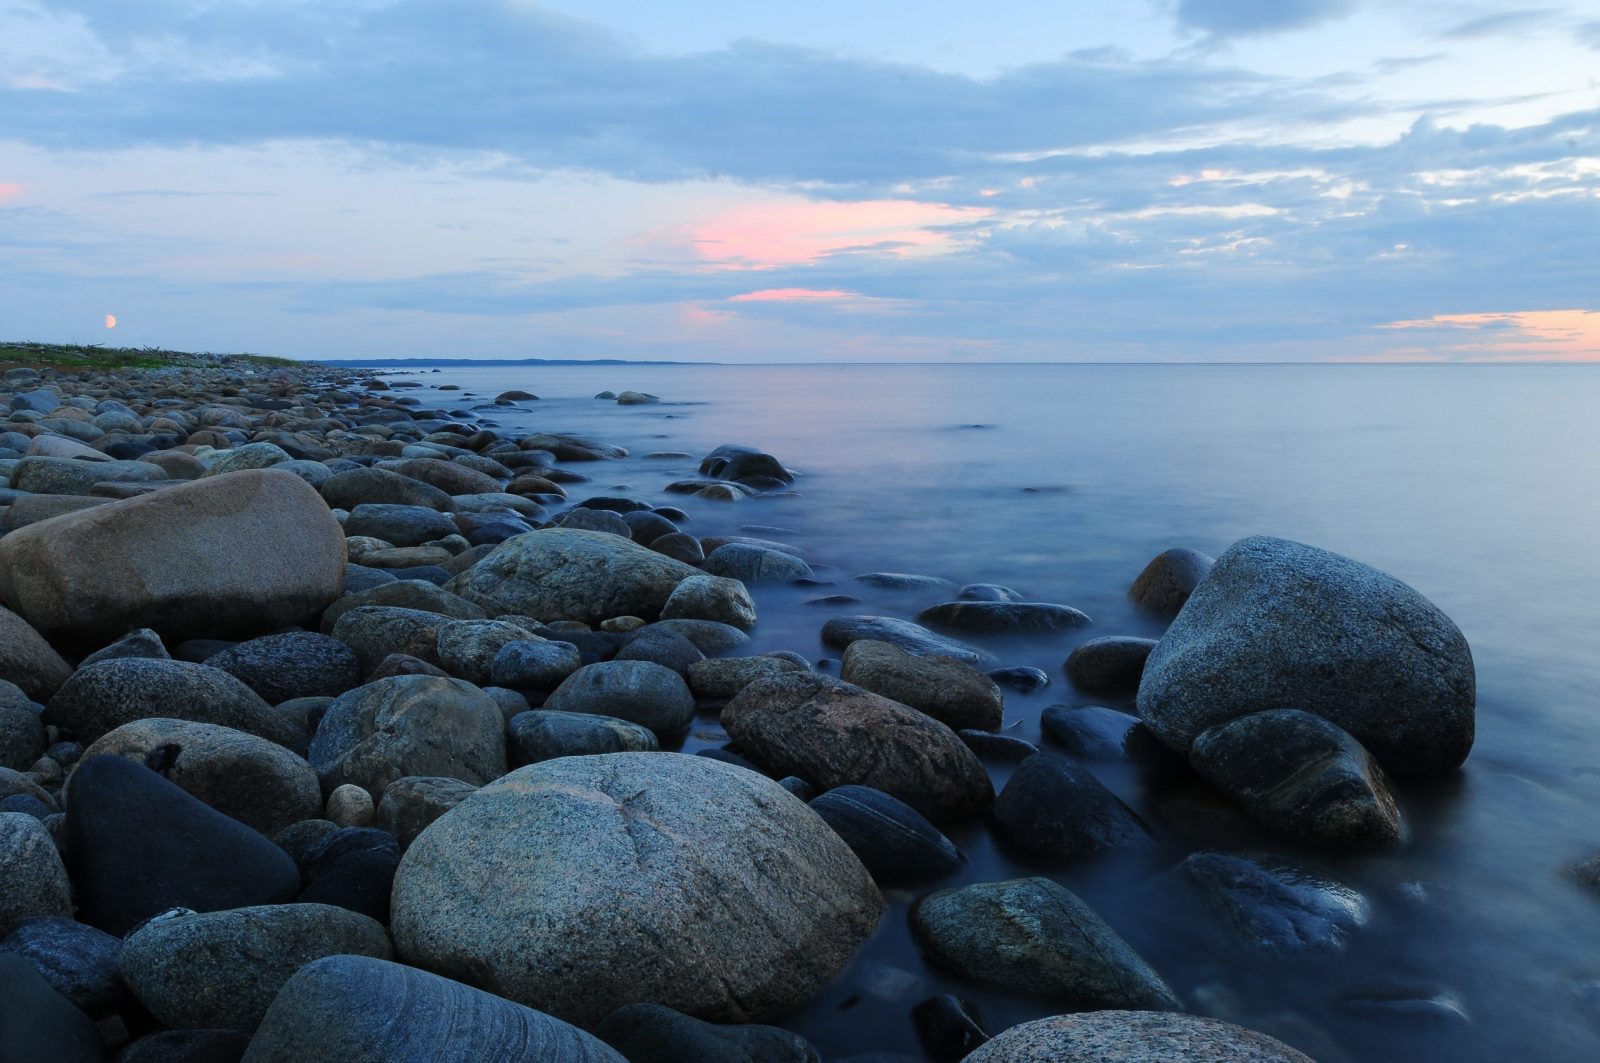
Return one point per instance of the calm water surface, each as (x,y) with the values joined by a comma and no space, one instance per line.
(1476,485)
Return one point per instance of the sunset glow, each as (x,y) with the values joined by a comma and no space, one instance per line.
(9,190)
(797,231)
(789,295)
(1532,335)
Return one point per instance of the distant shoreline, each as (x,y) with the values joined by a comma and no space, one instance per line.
(441,363)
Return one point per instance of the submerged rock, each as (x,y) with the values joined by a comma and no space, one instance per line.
(894,842)
(1274,905)
(841,631)
(1004,617)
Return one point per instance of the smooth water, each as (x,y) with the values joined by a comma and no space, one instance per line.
(1476,485)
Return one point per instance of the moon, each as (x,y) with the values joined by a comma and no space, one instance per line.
(111,321)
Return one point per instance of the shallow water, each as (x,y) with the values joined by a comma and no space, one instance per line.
(1476,485)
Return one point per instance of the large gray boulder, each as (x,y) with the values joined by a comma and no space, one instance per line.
(1279,624)
(1133,1037)
(257,782)
(240,554)
(831,733)
(564,574)
(104,696)
(409,725)
(635,877)
(221,970)
(357,1009)
(1034,936)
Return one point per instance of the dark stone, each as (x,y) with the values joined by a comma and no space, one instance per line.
(988,592)
(1169,579)
(1004,617)
(295,664)
(997,746)
(728,756)
(892,839)
(841,631)
(946,1028)
(39,1025)
(544,734)
(77,960)
(359,881)
(137,845)
(1021,678)
(651,1033)
(1051,805)
(1110,665)
(103,697)
(399,525)
(661,646)
(187,1046)
(1089,732)
(1274,905)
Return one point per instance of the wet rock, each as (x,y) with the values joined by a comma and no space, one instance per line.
(834,734)
(841,631)
(295,664)
(1003,617)
(33,882)
(77,960)
(257,782)
(545,734)
(904,581)
(1133,1037)
(1274,905)
(1110,665)
(705,888)
(1301,776)
(650,1033)
(1027,680)
(894,842)
(953,692)
(530,665)
(988,592)
(222,969)
(755,564)
(1051,805)
(410,804)
(645,527)
(637,691)
(1033,936)
(637,398)
(707,597)
(27,660)
(679,546)
(409,725)
(39,1024)
(22,734)
(946,1029)
(734,461)
(1169,579)
(103,697)
(236,554)
(560,574)
(137,845)
(1281,624)
(1089,732)
(595,520)
(720,678)
(998,747)
(361,1008)
(664,647)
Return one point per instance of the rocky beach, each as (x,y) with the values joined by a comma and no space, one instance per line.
(341,721)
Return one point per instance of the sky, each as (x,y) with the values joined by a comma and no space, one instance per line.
(1061,180)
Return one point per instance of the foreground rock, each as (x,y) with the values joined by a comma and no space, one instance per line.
(895,843)
(562,574)
(138,845)
(27,660)
(953,692)
(635,877)
(77,960)
(1277,624)
(1033,936)
(1109,665)
(1301,776)
(104,696)
(32,881)
(220,970)
(38,1024)
(1133,1037)
(1051,805)
(360,1008)
(238,554)
(831,734)
(640,692)
(650,1033)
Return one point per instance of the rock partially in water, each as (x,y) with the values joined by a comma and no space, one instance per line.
(545,734)
(1007,748)
(1169,579)
(1033,936)
(1133,1037)
(221,970)
(1278,624)
(721,678)
(33,882)
(635,878)
(1301,776)
(946,1028)
(988,592)
(1004,617)
(1020,677)
(894,842)
(755,564)
(137,845)
(650,1033)
(1089,732)
(640,692)
(1274,905)
(841,631)
(834,734)
(952,691)
(361,1008)
(904,581)
(1051,805)
(1109,665)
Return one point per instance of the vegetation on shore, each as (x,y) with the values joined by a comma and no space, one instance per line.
(96,356)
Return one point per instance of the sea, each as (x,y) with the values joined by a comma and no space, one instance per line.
(1477,485)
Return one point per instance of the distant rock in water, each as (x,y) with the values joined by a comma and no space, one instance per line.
(1279,624)
(1004,617)
(841,631)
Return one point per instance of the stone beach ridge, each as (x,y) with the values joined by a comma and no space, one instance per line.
(335,726)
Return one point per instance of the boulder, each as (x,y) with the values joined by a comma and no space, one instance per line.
(841,631)
(295,664)
(650,1033)
(361,1008)
(27,660)
(642,692)
(468,648)
(221,970)
(1279,624)
(104,696)
(1302,777)
(257,782)
(952,691)
(1033,936)
(356,487)
(635,878)
(408,805)
(137,845)
(409,725)
(400,525)
(562,574)
(77,960)
(1168,580)
(375,632)
(708,597)
(1051,805)
(227,555)
(755,564)
(720,678)
(1109,665)
(1133,1037)
(833,734)
(70,476)
(33,882)
(534,665)
(1004,617)
(545,734)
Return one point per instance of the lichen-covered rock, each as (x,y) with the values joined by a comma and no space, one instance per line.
(635,877)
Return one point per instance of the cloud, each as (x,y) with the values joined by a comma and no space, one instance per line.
(10,190)
(1525,335)
(1224,19)
(1589,33)
(1502,24)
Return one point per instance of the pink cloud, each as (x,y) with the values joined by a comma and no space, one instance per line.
(790,295)
(9,190)
(1520,335)
(796,231)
